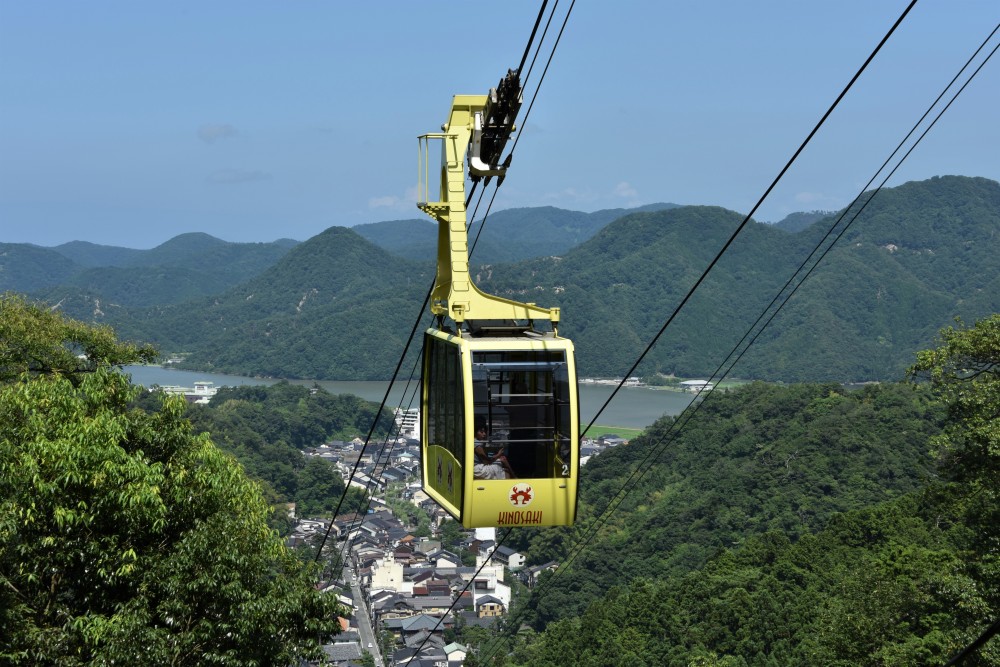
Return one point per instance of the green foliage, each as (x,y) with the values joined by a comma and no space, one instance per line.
(339,307)
(267,427)
(413,518)
(908,581)
(882,586)
(965,371)
(758,459)
(124,537)
(35,340)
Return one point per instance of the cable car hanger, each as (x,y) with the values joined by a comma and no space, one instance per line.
(499,406)
(480,126)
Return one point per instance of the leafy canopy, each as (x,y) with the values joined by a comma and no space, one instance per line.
(36,340)
(125,537)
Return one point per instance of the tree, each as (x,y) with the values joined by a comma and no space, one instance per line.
(124,536)
(36,340)
(965,372)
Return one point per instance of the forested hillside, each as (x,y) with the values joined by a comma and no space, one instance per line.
(511,235)
(266,429)
(836,529)
(86,279)
(332,307)
(918,256)
(762,458)
(338,307)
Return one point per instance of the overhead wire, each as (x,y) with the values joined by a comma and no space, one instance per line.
(384,455)
(642,468)
(753,210)
(979,642)
(416,324)
(740,349)
(658,447)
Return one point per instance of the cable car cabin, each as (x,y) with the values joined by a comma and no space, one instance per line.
(518,390)
(516,384)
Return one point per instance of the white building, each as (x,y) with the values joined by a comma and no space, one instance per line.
(408,422)
(697,385)
(387,575)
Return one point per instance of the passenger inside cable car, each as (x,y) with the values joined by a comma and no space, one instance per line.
(524,397)
(490,462)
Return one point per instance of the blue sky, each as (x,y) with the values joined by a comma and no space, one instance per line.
(127,123)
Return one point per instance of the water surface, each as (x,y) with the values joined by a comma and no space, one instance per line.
(632,407)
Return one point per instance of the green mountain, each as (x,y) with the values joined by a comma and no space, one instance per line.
(759,459)
(510,235)
(185,267)
(334,306)
(91,255)
(796,222)
(29,268)
(918,256)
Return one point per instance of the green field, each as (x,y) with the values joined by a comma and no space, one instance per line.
(597,430)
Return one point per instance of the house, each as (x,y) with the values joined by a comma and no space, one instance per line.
(395,474)
(341,653)
(512,559)
(428,546)
(489,606)
(444,558)
(456,652)
(531,574)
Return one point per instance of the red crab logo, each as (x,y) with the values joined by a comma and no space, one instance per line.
(521,495)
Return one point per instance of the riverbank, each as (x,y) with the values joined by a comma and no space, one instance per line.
(631,408)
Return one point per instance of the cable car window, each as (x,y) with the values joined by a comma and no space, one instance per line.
(445,402)
(522,398)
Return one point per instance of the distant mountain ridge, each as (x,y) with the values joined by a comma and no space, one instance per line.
(510,235)
(796,222)
(185,267)
(339,307)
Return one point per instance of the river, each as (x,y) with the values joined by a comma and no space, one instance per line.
(632,407)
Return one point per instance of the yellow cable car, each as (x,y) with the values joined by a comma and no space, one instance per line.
(499,406)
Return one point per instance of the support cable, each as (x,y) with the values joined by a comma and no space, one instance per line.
(980,641)
(534,30)
(656,448)
(749,215)
(673,432)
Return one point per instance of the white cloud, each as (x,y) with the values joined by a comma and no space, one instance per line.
(212,131)
(229,176)
(625,190)
(389,201)
(809,197)
(406,202)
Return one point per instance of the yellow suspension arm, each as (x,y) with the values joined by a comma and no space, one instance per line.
(454,294)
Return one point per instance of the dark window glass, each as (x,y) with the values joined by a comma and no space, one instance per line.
(445,406)
(522,398)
